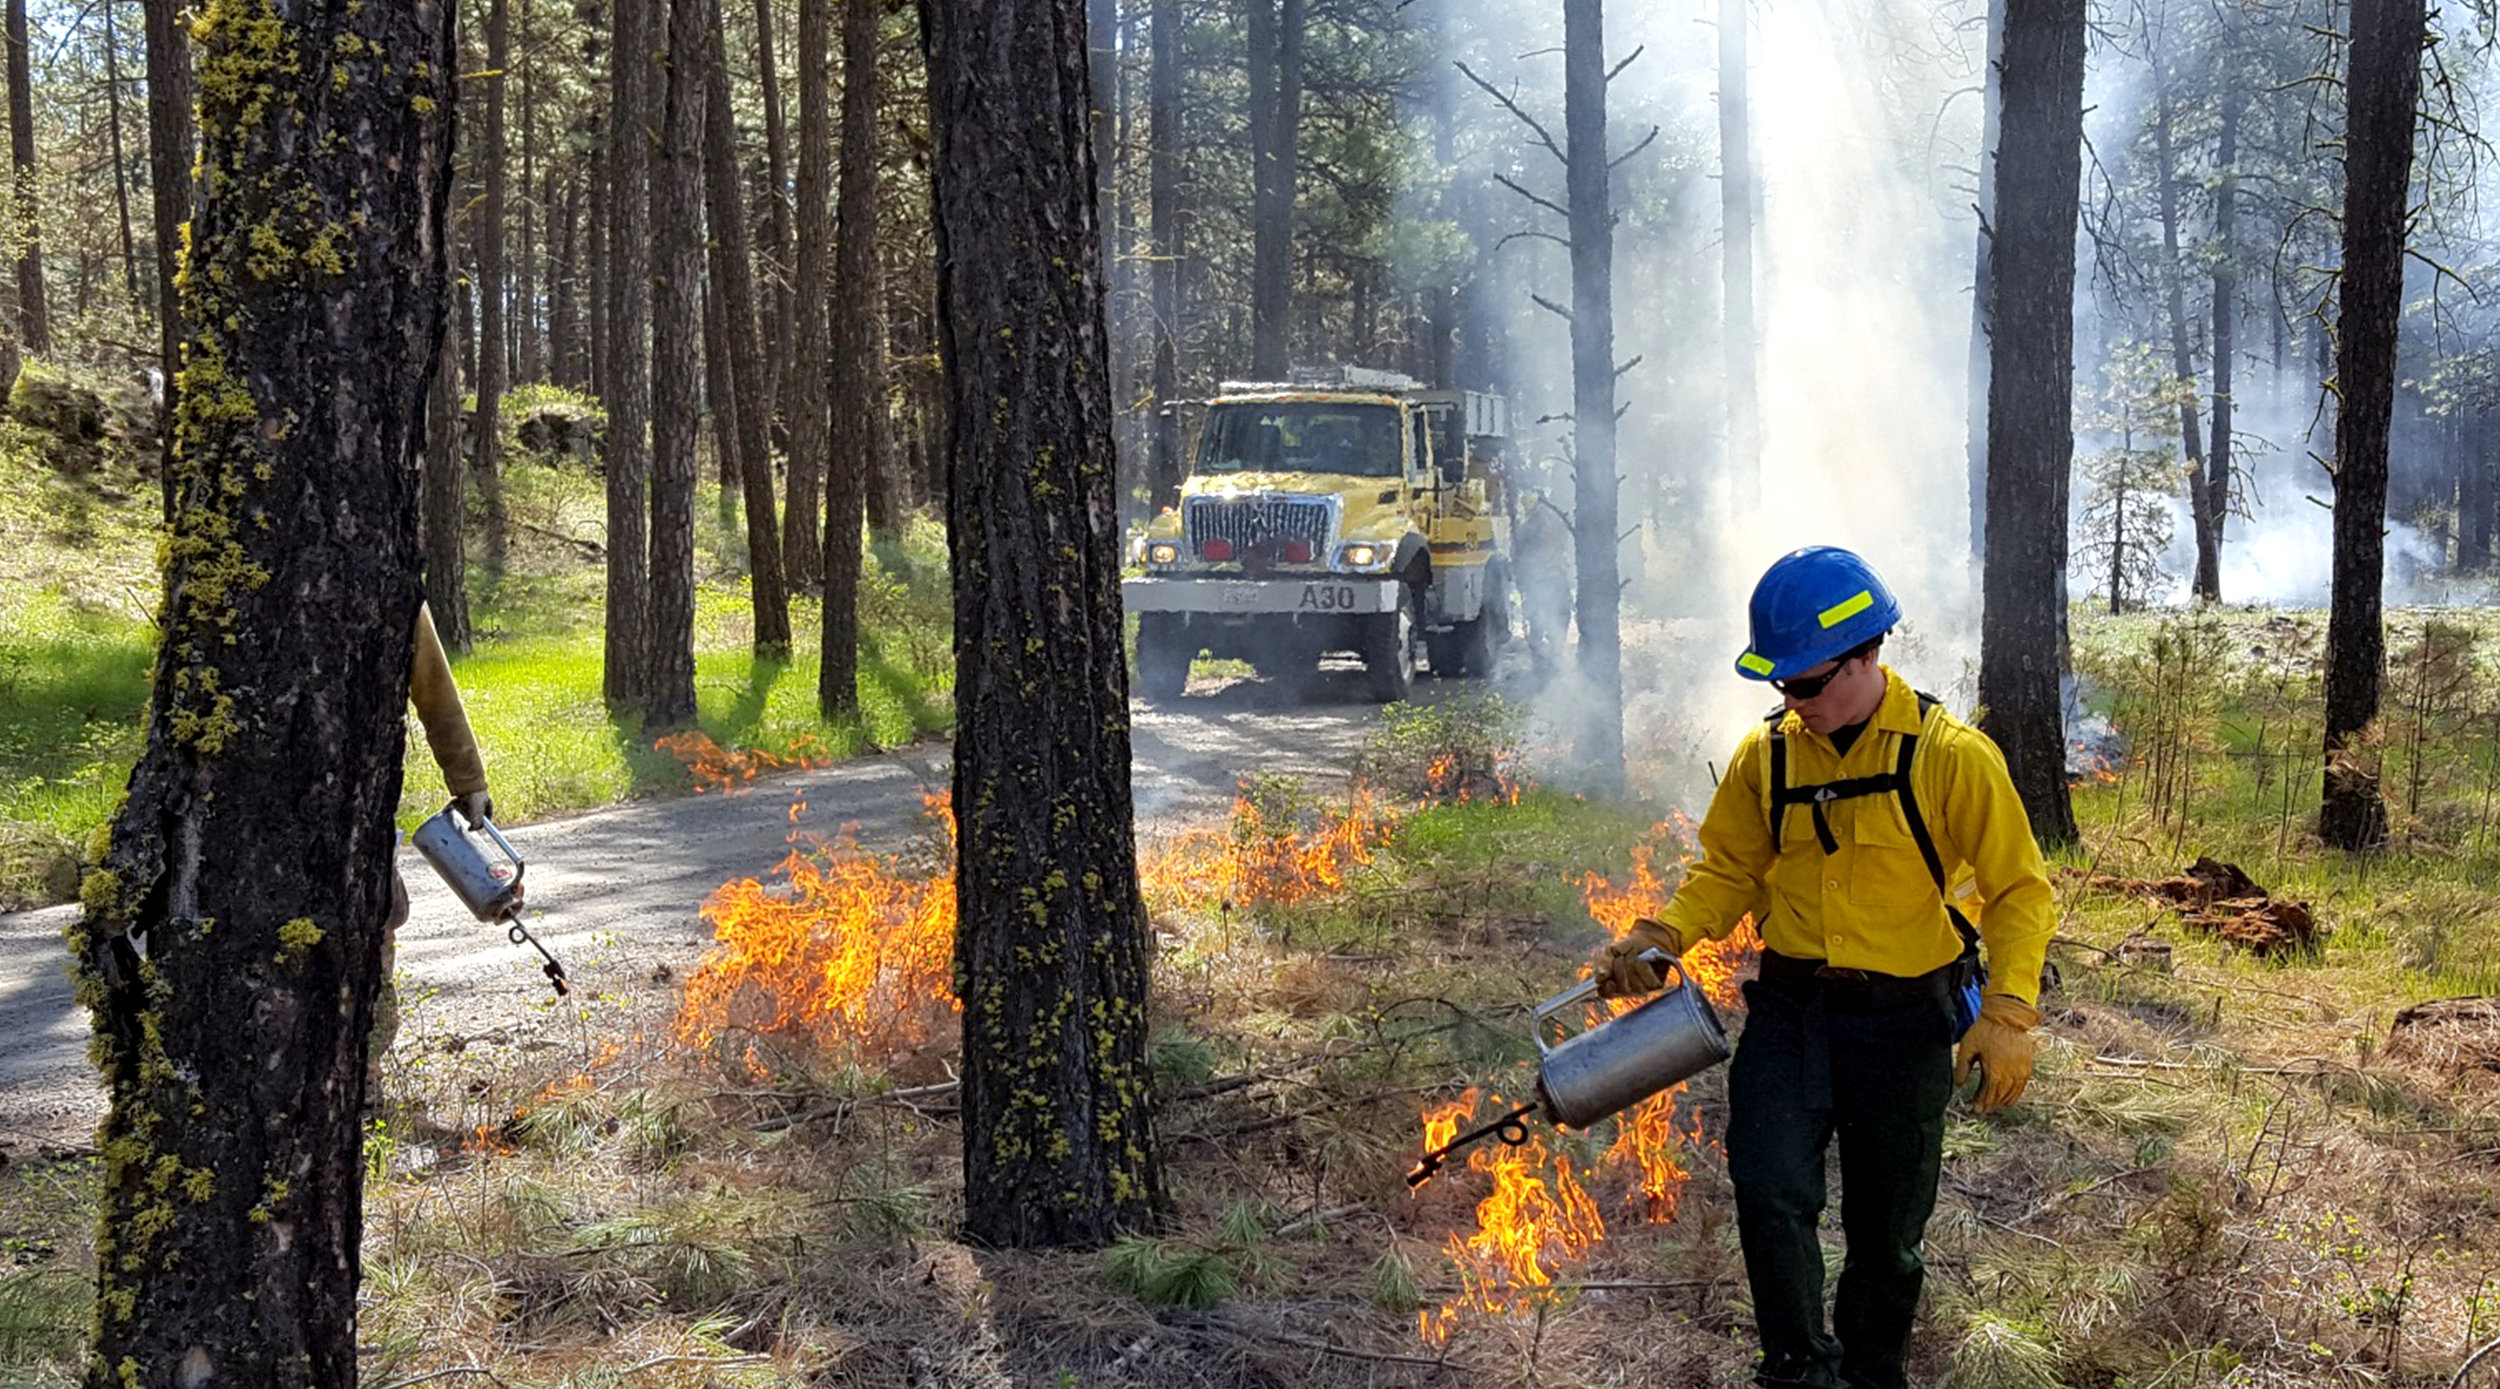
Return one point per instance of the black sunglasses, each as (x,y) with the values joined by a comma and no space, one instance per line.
(1808,686)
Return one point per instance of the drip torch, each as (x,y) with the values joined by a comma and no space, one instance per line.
(1608,1068)
(491,891)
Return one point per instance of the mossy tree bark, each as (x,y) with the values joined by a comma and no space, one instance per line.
(2381,86)
(2031,436)
(748,400)
(1051,956)
(231,951)
(859,464)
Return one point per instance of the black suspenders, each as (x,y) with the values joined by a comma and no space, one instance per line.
(1895,783)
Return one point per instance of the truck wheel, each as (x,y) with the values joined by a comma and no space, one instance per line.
(1163,658)
(1389,649)
(1479,642)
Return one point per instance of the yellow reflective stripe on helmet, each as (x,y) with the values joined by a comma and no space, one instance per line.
(1847,608)
(1755,664)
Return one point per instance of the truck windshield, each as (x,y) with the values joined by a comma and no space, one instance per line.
(1301,437)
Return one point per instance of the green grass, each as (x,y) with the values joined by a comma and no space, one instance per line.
(77,646)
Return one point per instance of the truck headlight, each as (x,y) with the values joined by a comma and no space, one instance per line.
(1163,552)
(1359,555)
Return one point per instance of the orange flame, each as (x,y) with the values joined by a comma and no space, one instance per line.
(716,768)
(1255,864)
(1719,966)
(842,952)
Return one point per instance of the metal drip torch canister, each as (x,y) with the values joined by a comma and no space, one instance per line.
(1626,1059)
(1610,1067)
(491,891)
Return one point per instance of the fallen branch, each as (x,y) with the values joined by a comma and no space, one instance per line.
(847,1103)
(1265,1336)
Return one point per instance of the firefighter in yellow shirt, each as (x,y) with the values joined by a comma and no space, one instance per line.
(1865,829)
(436,698)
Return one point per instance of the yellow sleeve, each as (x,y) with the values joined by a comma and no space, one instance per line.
(430,688)
(1989,827)
(1731,878)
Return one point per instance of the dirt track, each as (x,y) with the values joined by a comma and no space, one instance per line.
(615,893)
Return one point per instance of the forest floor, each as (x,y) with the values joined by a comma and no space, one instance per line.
(2236,1165)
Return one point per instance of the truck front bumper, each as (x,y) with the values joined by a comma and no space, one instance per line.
(1325,596)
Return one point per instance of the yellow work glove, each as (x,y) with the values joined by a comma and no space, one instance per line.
(2000,1042)
(1619,969)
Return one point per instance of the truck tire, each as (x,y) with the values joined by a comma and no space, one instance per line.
(1480,642)
(1162,658)
(1389,650)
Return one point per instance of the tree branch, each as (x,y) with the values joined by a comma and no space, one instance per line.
(1628,59)
(1551,307)
(1547,203)
(1646,141)
(1543,138)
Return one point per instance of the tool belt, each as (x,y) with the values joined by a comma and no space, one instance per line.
(1855,990)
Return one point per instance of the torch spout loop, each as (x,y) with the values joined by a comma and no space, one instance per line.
(1509,1129)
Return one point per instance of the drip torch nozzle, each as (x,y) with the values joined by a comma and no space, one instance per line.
(1508,1128)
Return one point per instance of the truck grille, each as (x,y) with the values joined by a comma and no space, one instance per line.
(1259,522)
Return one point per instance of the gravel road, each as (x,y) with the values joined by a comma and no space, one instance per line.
(615,893)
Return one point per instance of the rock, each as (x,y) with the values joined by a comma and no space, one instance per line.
(562,432)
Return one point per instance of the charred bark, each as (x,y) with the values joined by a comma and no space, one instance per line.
(2382,84)
(668,699)
(1051,955)
(231,951)
(2031,440)
(1596,485)
(746,402)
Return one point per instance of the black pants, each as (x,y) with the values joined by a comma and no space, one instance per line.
(1869,1062)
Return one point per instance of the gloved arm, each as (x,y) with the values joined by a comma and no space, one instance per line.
(2000,1042)
(446,722)
(1988,827)
(1619,969)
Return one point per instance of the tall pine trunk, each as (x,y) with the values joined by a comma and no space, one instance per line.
(169,194)
(858,465)
(1596,485)
(2208,582)
(1276,33)
(668,698)
(121,160)
(777,251)
(1163,204)
(1051,954)
(746,404)
(493,366)
(1975,366)
(2217,479)
(628,389)
(2031,437)
(2381,86)
(231,953)
(34,317)
(810,419)
(445,506)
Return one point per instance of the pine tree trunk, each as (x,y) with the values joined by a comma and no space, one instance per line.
(858,462)
(2384,80)
(1744,408)
(445,511)
(2208,582)
(628,645)
(527,342)
(778,247)
(493,367)
(169,197)
(34,318)
(1276,34)
(1052,951)
(261,806)
(121,160)
(2475,491)
(676,359)
(564,196)
(2217,479)
(810,418)
(2031,441)
(1975,367)
(1163,167)
(746,401)
(1599,744)
(597,272)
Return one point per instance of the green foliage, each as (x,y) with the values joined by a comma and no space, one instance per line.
(1997,1352)
(43,1315)
(2125,526)
(1396,1288)
(1465,747)
(1171,1272)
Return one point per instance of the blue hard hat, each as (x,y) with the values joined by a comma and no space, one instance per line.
(1813,606)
